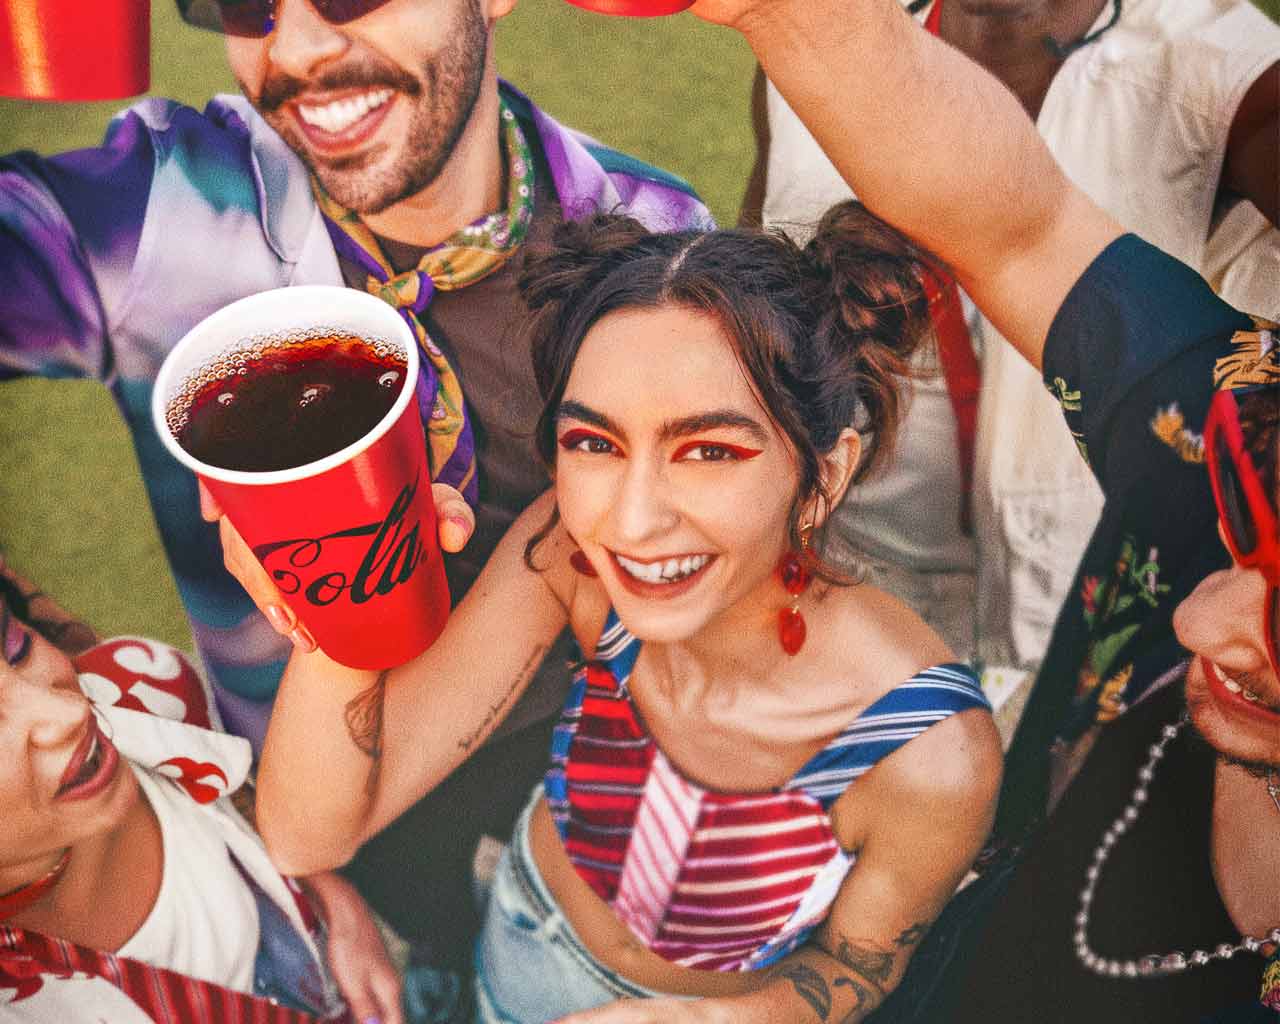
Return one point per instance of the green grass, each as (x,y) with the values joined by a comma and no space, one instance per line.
(72,510)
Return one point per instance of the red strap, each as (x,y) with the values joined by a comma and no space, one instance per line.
(963,376)
(955,352)
(28,959)
(934,21)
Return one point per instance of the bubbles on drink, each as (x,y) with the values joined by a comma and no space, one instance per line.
(286,400)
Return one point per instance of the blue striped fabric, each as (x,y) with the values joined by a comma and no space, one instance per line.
(899,716)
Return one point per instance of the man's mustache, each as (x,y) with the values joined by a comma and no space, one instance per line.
(278,89)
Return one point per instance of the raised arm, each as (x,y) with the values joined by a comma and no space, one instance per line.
(348,750)
(934,145)
(1251,165)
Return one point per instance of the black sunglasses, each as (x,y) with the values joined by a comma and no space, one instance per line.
(255,19)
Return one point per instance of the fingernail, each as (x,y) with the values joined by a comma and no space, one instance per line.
(372,1020)
(461,522)
(278,616)
(302,639)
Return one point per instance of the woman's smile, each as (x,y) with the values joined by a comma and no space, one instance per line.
(92,766)
(1235,696)
(661,578)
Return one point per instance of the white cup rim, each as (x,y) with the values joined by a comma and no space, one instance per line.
(173,372)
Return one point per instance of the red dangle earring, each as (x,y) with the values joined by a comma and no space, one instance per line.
(795,578)
(581,563)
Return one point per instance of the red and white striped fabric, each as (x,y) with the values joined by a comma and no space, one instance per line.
(716,881)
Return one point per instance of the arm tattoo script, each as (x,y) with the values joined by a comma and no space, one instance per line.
(810,986)
(875,965)
(527,670)
(364,724)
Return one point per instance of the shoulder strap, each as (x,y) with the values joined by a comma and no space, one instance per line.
(896,718)
(617,649)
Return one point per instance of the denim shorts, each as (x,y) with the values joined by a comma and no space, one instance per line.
(531,967)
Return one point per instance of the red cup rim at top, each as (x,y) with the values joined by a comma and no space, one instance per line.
(634,8)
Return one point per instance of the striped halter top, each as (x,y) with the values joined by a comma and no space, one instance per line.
(716,881)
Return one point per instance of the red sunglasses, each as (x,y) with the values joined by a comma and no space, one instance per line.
(256,19)
(1245,512)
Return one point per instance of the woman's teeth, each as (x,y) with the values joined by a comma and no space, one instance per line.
(672,570)
(342,114)
(1235,687)
(88,767)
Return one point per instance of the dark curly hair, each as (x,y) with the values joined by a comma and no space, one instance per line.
(824,333)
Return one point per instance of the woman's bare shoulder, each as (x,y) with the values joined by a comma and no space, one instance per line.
(874,639)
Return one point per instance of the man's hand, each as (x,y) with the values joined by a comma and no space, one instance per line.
(454,524)
(356,955)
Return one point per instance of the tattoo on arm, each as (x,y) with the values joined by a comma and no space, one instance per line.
(910,936)
(494,710)
(364,724)
(866,999)
(875,965)
(810,986)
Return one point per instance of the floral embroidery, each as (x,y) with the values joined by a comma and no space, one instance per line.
(1114,611)
(1170,426)
(1071,412)
(1254,358)
(1111,702)
(1270,994)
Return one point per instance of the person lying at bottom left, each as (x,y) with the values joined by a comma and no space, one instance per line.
(130,888)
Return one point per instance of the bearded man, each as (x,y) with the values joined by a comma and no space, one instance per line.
(373,146)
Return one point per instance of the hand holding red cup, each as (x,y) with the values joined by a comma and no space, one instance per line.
(334,501)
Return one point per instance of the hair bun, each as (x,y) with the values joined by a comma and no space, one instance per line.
(870,278)
(578,254)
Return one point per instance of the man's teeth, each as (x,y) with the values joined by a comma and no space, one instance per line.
(342,114)
(668,571)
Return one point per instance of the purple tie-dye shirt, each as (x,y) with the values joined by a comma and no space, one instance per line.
(109,255)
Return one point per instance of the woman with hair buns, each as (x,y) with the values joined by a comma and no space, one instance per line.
(767,781)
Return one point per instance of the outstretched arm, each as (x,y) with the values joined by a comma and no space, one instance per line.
(933,144)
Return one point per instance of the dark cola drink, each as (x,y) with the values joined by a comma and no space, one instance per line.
(286,402)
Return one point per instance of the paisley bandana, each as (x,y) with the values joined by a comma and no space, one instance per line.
(470,255)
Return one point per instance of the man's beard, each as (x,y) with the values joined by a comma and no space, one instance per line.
(441,105)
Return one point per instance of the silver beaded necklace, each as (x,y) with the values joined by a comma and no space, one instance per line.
(1153,965)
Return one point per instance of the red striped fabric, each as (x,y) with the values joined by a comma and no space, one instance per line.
(704,879)
(718,881)
(29,960)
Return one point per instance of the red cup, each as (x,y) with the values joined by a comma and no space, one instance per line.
(350,539)
(74,50)
(634,8)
